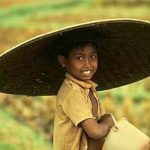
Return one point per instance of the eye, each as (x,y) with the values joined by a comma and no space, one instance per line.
(79,58)
(94,56)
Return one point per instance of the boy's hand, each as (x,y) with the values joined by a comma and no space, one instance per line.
(97,129)
(107,119)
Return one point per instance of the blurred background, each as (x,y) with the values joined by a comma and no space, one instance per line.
(27,122)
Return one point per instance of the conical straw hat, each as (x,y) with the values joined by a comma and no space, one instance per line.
(31,68)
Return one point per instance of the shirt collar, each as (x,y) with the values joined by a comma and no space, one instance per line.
(86,85)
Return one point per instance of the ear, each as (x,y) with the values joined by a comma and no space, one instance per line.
(61,60)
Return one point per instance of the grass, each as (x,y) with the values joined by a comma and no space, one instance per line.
(18,15)
(54,15)
(15,136)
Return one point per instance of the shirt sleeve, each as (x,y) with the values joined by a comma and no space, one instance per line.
(76,106)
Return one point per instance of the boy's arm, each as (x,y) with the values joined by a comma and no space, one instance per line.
(97,130)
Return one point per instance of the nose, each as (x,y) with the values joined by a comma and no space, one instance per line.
(87,62)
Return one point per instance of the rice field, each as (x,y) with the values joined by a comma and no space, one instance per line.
(33,116)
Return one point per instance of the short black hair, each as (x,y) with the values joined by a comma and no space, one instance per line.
(66,48)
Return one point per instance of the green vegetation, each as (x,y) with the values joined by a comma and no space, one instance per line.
(138,91)
(54,15)
(16,136)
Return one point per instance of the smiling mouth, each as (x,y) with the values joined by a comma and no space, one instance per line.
(87,72)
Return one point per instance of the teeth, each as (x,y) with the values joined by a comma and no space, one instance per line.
(87,72)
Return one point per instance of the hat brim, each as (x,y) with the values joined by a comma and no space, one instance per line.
(31,68)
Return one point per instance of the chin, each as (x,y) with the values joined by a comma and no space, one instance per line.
(86,79)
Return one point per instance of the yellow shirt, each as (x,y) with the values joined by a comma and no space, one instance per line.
(73,105)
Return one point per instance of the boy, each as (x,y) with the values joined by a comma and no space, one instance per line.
(79,120)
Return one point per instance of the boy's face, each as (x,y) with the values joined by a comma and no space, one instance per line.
(82,63)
